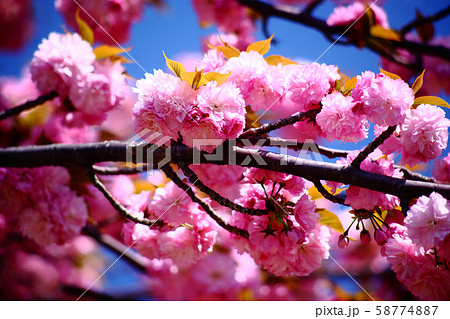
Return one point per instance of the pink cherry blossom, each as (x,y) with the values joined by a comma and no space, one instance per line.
(338,121)
(228,15)
(309,84)
(16,23)
(110,20)
(346,15)
(48,211)
(305,213)
(59,60)
(441,169)
(424,134)
(428,221)
(362,198)
(171,204)
(261,84)
(385,101)
(163,104)
(212,61)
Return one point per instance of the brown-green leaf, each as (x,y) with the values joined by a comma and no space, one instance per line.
(389,74)
(262,47)
(433,100)
(424,30)
(218,77)
(107,51)
(176,67)
(228,51)
(330,219)
(418,82)
(86,32)
(383,33)
(276,59)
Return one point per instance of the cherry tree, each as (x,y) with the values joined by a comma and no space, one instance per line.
(217,181)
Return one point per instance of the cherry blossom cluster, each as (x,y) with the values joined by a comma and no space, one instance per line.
(233,21)
(110,20)
(88,88)
(16,23)
(40,203)
(418,249)
(187,235)
(288,240)
(170,106)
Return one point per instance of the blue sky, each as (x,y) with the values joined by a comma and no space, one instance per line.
(176,30)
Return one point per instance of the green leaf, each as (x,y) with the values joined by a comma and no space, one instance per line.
(228,51)
(195,79)
(433,100)
(383,33)
(218,77)
(276,59)
(389,74)
(350,84)
(176,67)
(107,51)
(424,30)
(330,219)
(262,47)
(86,32)
(418,82)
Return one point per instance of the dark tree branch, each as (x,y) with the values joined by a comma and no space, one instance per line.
(372,146)
(414,176)
(193,178)
(327,195)
(117,206)
(27,105)
(88,294)
(420,21)
(297,146)
(304,18)
(170,173)
(310,8)
(105,170)
(266,128)
(88,154)
(117,247)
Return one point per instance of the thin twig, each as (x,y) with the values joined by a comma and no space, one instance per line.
(304,18)
(419,21)
(193,178)
(121,209)
(105,170)
(116,246)
(408,174)
(170,173)
(115,151)
(310,8)
(266,128)
(297,146)
(328,195)
(28,105)
(373,145)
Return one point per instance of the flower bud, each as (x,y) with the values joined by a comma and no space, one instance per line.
(380,237)
(343,241)
(365,237)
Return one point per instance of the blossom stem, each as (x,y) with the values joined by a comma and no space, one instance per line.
(117,206)
(327,195)
(170,173)
(193,178)
(372,146)
(268,127)
(28,105)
